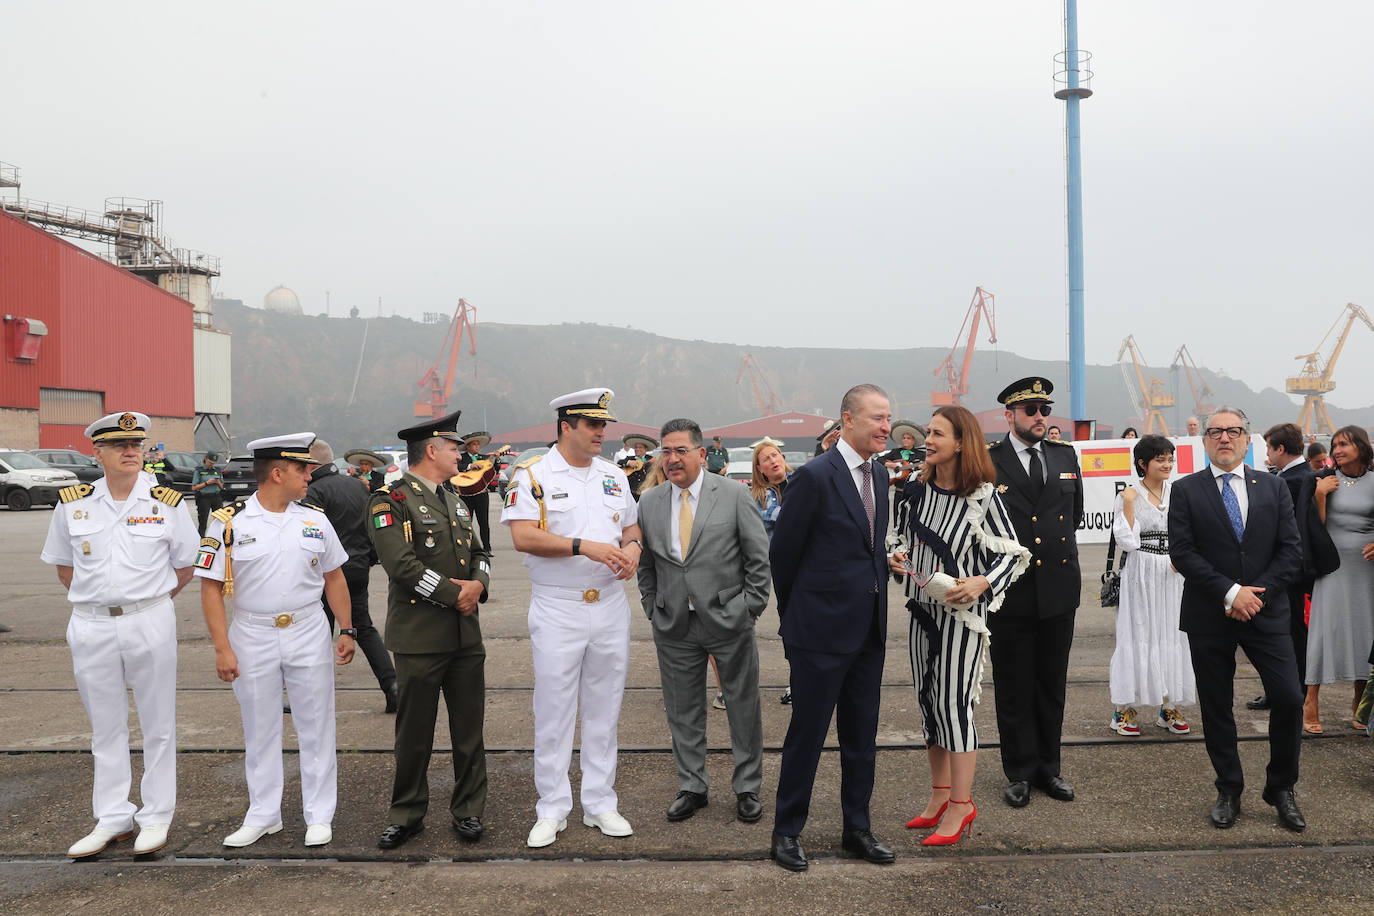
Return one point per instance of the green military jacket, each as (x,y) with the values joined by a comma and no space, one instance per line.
(422,547)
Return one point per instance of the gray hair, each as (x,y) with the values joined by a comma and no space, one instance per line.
(321,451)
(1244,420)
(682,425)
(852,396)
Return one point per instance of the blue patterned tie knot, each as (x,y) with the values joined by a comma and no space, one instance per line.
(1228,499)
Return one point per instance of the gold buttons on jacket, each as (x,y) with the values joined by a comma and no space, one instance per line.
(1037,540)
(1038,562)
(1034,518)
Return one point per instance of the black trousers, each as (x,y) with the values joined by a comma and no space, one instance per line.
(461,679)
(825,685)
(205,504)
(1297,605)
(369,640)
(477,504)
(1030,666)
(1214,661)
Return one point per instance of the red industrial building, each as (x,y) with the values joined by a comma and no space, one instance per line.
(798,431)
(84,338)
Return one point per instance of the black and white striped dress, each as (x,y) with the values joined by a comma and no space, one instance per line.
(960,536)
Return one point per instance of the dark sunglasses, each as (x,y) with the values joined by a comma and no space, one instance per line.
(1033,409)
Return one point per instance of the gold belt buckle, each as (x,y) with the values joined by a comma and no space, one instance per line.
(116,611)
(591,596)
(283,620)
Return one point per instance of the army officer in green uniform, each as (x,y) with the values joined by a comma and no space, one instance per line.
(439,571)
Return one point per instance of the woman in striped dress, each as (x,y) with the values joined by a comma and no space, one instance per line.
(955,547)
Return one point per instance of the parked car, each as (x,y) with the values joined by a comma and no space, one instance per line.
(27,481)
(503,478)
(181,469)
(239,481)
(84,467)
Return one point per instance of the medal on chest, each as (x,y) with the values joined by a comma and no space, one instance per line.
(86,548)
(429,540)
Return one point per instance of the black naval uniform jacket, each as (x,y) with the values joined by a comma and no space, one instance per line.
(1047,527)
(422,546)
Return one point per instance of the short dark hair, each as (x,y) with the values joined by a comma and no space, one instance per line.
(1055,427)
(1286,436)
(572,420)
(1315,449)
(682,425)
(851,397)
(1357,437)
(416,448)
(262,468)
(1147,449)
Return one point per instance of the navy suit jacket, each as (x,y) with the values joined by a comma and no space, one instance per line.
(1204,549)
(827,577)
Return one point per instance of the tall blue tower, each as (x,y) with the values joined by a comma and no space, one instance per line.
(1073,83)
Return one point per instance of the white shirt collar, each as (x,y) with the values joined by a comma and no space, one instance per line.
(1020,446)
(694,489)
(852,459)
(1292,464)
(1238,470)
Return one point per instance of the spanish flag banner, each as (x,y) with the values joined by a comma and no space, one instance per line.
(1106,462)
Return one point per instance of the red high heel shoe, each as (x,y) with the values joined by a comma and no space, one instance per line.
(923,822)
(939,839)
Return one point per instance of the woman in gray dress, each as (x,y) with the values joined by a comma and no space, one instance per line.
(1341,629)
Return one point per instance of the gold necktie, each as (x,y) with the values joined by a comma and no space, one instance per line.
(684,523)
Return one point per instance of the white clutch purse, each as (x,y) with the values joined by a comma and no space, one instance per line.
(939,585)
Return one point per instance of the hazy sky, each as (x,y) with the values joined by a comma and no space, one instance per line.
(764,173)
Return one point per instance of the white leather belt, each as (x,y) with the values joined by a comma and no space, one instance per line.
(117,610)
(583,595)
(282,620)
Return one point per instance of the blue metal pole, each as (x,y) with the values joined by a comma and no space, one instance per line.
(1077,359)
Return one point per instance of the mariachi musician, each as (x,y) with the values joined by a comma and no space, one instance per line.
(476,471)
(636,466)
(902,462)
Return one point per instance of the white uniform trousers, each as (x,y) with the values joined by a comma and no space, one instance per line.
(301,657)
(581,652)
(110,655)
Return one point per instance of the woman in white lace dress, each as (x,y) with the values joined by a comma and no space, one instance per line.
(1151,665)
(963,556)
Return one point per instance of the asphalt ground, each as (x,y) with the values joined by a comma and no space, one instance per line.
(1137,838)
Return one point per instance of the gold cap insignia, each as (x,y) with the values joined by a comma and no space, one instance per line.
(127,422)
(605,401)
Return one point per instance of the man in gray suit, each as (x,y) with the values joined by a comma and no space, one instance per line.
(703,582)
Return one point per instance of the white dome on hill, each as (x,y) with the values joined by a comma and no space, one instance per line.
(282,300)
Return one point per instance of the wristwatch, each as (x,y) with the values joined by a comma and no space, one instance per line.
(351,632)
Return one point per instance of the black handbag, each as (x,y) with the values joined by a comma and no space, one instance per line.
(1110,593)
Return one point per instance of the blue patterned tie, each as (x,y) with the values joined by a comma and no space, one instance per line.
(1228,499)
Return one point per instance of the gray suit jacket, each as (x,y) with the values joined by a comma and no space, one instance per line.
(725,573)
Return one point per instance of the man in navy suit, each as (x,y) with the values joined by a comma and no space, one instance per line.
(830,572)
(1284,454)
(1233,537)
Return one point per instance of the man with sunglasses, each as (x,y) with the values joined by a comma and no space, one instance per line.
(1038,479)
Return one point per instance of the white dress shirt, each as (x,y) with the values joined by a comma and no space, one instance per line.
(692,493)
(1023,454)
(1237,487)
(852,461)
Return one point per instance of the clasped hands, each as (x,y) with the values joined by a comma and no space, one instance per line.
(620,560)
(1249,602)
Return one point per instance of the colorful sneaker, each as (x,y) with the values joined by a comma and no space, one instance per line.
(1169,718)
(1124,722)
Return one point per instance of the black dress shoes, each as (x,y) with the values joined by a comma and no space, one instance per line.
(1055,787)
(747,807)
(1259,702)
(787,852)
(1286,805)
(469,828)
(863,844)
(1225,811)
(1017,794)
(396,835)
(393,699)
(685,805)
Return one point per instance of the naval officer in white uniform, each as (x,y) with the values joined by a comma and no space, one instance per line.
(274,556)
(123,547)
(572,515)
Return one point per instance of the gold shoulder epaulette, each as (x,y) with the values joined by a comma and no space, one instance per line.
(80,491)
(1059,442)
(301,502)
(535,460)
(224,514)
(166,495)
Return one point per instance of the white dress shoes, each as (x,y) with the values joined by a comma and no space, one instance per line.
(545,831)
(150,839)
(95,842)
(318,834)
(609,823)
(247,836)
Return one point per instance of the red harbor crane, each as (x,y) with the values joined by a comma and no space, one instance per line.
(763,392)
(954,385)
(438,387)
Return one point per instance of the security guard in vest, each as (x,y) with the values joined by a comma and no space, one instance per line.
(275,556)
(123,548)
(439,570)
(571,514)
(1040,486)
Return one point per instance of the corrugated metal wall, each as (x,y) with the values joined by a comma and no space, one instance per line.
(108,331)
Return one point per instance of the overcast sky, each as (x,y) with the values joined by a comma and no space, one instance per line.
(762,173)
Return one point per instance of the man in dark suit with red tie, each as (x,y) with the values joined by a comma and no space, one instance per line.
(830,573)
(1038,479)
(1234,539)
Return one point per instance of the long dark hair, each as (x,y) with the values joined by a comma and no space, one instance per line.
(1358,438)
(975,466)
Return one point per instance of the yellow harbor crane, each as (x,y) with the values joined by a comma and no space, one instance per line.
(1313,380)
(1204,402)
(1151,395)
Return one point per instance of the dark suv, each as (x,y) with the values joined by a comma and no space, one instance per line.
(86,468)
(239,482)
(181,469)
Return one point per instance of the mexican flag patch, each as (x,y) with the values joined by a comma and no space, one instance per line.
(205,559)
(382,520)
